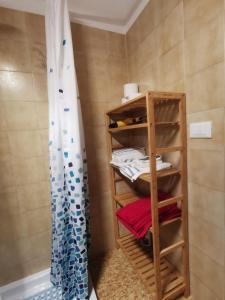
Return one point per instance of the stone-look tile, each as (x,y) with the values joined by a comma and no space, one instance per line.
(35,26)
(117,77)
(25,143)
(29,170)
(133,70)
(38,58)
(207,237)
(199,53)
(20,115)
(42,114)
(4,145)
(171,66)
(148,19)
(16,86)
(116,45)
(147,50)
(171,30)
(40,87)
(26,249)
(33,196)
(198,13)
(133,38)
(210,273)
(95,137)
(205,90)
(204,166)
(148,77)
(3,124)
(12,25)
(9,203)
(94,113)
(217,140)
(206,204)
(44,141)
(201,291)
(168,6)
(6,171)
(14,56)
(91,41)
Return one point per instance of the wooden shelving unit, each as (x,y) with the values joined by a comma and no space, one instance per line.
(164,111)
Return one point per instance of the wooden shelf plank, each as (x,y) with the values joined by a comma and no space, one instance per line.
(168,149)
(135,126)
(172,281)
(160,174)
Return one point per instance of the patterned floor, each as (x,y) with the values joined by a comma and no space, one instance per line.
(50,294)
(114,279)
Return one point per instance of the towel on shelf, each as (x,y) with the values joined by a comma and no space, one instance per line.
(132,162)
(137,218)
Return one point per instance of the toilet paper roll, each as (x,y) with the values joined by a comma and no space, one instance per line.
(130,89)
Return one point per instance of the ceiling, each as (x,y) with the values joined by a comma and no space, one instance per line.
(112,15)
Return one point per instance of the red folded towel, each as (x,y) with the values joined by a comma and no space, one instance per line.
(136,216)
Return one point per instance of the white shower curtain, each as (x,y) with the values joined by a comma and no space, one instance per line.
(68,173)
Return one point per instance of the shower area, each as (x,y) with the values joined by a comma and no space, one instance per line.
(25,206)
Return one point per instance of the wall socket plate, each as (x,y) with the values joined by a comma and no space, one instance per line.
(201,130)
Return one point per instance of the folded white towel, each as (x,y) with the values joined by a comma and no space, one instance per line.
(132,162)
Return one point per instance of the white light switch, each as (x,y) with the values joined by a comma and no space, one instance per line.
(202,130)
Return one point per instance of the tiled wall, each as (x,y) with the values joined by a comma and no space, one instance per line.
(24,189)
(24,186)
(101,69)
(179,45)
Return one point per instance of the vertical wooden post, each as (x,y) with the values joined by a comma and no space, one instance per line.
(154,192)
(185,251)
(113,184)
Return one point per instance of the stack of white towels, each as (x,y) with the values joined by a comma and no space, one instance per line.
(132,162)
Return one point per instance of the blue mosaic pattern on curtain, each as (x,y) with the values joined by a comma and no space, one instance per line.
(68,169)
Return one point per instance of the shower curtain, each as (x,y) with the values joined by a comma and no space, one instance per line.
(68,172)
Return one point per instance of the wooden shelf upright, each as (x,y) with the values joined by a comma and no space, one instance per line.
(158,274)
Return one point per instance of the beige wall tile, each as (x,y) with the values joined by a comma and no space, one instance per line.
(148,19)
(24,170)
(91,41)
(25,143)
(40,87)
(133,38)
(168,6)
(35,26)
(171,29)
(217,140)
(42,114)
(149,76)
(116,45)
(207,237)
(12,25)
(6,171)
(208,270)
(205,47)
(38,58)
(206,204)
(14,56)
(148,50)
(198,13)
(16,86)
(205,90)
(3,125)
(200,290)
(4,145)
(204,166)
(94,113)
(44,141)
(9,203)
(25,119)
(171,66)
(34,196)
